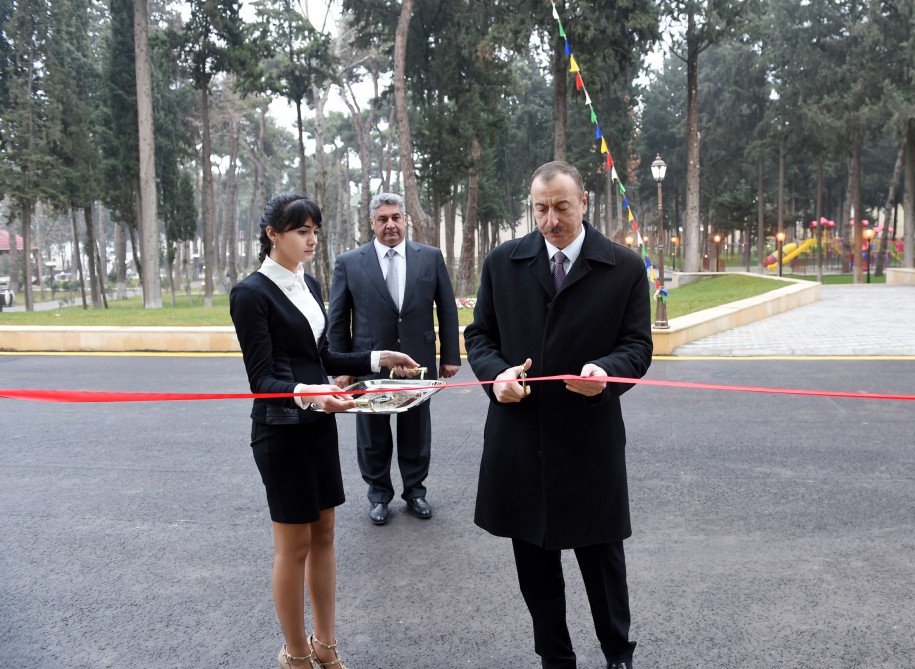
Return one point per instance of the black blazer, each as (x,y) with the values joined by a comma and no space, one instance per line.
(363,316)
(278,346)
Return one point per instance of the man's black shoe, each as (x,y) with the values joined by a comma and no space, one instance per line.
(420,507)
(379,513)
(620,664)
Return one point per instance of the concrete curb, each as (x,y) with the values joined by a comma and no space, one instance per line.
(221,339)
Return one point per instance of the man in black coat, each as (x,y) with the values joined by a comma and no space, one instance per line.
(386,291)
(561,300)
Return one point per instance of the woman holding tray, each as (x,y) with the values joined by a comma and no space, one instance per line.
(279,318)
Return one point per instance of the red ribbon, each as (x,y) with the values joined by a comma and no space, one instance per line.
(96,396)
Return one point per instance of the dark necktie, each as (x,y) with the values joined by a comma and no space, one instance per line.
(559,270)
(391,278)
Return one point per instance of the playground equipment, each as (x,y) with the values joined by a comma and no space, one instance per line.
(790,251)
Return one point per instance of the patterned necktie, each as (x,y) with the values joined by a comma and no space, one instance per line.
(391,278)
(559,270)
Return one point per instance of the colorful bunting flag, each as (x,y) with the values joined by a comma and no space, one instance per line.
(660,293)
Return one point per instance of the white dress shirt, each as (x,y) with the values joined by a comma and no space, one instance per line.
(293,286)
(571,251)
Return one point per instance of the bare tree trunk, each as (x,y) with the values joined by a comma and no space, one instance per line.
(691,228)
(303,170)
(908,200)
(209,218)
(149,224)
(363,130)
(322,266)
(91,254)
(120,261)
(421,220)
(231,213)
(760,214)
(26,255)
(854,178)
(466,277)
(78,262)
(450,225)
(388,156)
(608,208)
(842,225)
(887,210)
(560,103)
(781,187)
(820,233)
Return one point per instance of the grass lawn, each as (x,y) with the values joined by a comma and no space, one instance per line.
(713,292)
(191,312)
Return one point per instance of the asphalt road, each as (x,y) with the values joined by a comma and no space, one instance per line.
(770,530)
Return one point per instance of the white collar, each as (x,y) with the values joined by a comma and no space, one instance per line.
(282,276)
(571,252)
(382,250)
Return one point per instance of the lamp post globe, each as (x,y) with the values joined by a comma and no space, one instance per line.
(868,235)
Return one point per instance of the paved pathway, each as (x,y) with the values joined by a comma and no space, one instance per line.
(861,319)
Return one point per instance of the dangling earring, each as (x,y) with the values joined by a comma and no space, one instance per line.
(274,244)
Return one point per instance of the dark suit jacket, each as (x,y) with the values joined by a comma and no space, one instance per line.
(278,346)
(553,470)
(363,317)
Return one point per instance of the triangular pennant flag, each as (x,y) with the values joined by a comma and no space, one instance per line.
(598,135)
(609,158)
(562,32)
(555,13)
(568,49)
(593,116)
(613,174)
(587,98)
(626,204)
(603,146)
(663,292)
(578,82)
(574,64)
(610,166)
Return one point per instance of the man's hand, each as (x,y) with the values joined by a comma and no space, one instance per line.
(447,371)
(588,388)
(399,363)
(344,381)
(511,392)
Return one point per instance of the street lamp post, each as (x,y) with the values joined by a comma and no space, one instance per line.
(717,253)
(868,235)
(780,238)
(676,242)
(658,171)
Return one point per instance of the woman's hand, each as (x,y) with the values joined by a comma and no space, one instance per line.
(399,363)
(333,400)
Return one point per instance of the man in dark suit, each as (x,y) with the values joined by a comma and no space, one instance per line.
(561,300)
(386,291)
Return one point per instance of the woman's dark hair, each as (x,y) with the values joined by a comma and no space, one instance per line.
(286,211)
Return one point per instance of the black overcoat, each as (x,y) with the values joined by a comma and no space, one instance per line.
(553,469)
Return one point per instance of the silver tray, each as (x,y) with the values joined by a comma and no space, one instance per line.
(389,395)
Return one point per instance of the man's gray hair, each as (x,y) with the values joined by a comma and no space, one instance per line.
(386,198)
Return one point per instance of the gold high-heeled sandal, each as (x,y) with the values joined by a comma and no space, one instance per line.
(285,660)
(336,662)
